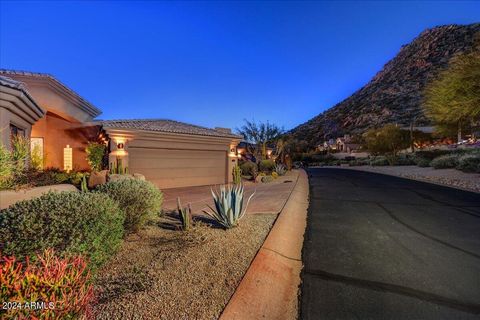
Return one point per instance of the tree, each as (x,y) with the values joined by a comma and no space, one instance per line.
(388,141)
(259,134)
(453,98)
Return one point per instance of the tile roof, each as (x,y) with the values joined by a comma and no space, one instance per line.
(8,82)
(94,110)
(164,125)
(18,85)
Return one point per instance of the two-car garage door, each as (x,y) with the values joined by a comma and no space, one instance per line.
(172,168)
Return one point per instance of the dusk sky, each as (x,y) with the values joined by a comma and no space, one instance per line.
(215,63)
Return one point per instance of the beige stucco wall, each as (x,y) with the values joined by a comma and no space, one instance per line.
(54,101)
(54,97)
(175,160)
(57,133)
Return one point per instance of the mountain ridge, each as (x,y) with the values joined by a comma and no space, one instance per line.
(394,94)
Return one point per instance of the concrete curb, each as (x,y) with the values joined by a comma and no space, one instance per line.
(269,289)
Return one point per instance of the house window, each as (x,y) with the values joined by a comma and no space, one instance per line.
(16,131)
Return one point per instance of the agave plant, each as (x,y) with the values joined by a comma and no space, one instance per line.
(229,208)
(280,169)
(185,215)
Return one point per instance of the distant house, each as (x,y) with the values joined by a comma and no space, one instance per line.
(329,145)
(60,123)
(346,145)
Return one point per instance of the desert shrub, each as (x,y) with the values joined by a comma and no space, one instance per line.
(267,179)
(445,161)
(280,169)
(404,160)
(229,208)
(95,153)
(266,165)
(137,198)
(84,223)
(6,168)
(469,163)
(247,167)
(274,175)
(431,154)
(20,153)
(422,162)
(379,161)
(62,283)
(359,162)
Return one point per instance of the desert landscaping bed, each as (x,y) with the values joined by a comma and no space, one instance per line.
(165,273)
(448,177)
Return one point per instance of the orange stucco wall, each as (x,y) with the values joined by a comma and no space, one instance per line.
(57,133)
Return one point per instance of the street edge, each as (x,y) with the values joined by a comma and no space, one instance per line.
(270,287)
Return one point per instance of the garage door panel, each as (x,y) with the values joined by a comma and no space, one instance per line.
(153,163)
(173,154)
(182,172)
(167,183)
(169,168)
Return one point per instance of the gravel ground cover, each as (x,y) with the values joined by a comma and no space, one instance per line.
(164,273)
(448,177)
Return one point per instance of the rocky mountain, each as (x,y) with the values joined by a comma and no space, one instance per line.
(394,95)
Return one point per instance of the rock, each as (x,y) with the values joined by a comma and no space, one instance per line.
(97,178)
(258,179)
(139,176)
(117,177)
(267,179)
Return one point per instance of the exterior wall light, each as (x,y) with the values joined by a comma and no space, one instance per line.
(67,159)
(120,146)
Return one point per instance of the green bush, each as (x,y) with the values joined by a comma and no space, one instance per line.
(266,165)
(84,223)
(359,162)
(445,161)
(404,160)
(248,168)
(469,163)
(379,161)
(137,198)
(422,162)
(6,168)
(431,154)
(20,153)
(95,152)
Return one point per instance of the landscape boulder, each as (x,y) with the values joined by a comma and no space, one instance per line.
(97,178)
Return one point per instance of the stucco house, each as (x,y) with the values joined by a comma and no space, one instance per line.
(61,123)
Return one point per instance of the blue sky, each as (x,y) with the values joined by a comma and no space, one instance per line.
(215,63)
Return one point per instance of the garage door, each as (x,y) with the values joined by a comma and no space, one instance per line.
(179,168)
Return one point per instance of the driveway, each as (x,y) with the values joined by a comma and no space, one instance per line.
(269,198)
(382,247)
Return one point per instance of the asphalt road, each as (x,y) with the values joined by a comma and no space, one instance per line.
(382,247)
